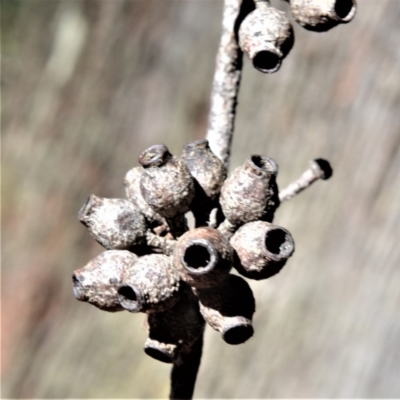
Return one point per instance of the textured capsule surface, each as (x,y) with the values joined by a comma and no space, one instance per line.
(322,15)
(266,36)
(97,283)
(261,249)
(114,223)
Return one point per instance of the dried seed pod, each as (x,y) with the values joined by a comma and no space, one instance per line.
(150,285)
(261,249)
(166,183)
(114,223)
(229,308)
(250,193)
(203,257)
(322,15)
(209,174)
(97,283)
(175,328)
(266,36)
(132,189)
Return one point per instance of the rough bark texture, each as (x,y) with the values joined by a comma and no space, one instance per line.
(87,85)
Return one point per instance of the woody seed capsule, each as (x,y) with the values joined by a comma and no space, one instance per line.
(229,308)
(322,15)
(266,36)
(250,193)
(114,223)
(166,185)
(132,189)
(98,281)
(203,257)
(150,285)
(261,249)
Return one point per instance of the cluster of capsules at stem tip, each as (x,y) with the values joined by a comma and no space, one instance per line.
(180,277)
(266,34)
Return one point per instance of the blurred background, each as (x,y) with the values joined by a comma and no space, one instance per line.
(88,84)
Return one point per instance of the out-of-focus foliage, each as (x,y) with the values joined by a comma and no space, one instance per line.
(87,85)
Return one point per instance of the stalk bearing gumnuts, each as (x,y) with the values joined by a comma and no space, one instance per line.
(261,249)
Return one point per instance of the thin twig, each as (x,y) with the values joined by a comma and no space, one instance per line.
(227,80)
(319,169)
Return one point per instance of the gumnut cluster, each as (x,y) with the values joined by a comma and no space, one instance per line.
(266,34)
(180,277)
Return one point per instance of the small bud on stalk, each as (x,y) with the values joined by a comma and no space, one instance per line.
(250,193)
(322,15)
(229,308)
(262,249)
(266,36)
(203,257)
(97,283)
(150,285)
(167,186)
(114,223)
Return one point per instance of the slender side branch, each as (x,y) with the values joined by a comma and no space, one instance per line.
(319,169)
(227,80)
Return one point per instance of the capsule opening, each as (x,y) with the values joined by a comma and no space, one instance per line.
(129,298)
(266,61)
(343,8)
(197,256)
(264,163)
(238,334)
(158,354)
(274,240)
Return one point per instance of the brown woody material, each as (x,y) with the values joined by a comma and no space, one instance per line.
(167,186)
(133,193)
(250,193)
(97,283)
(209,174)
(114,223)
(150,285)
(266,36)
(203,257)
(319,169)
(261,249)
(229,308)
(322,15)
(174,329)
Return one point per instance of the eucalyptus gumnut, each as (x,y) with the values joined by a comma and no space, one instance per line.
(266,36)
(250,193)
(209,174)
(114,223)
(229,308)
(322,15)
(133,193)
(166,183)
(97,283)
(203,257)
(150,285)
(175,328)
(261,249)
